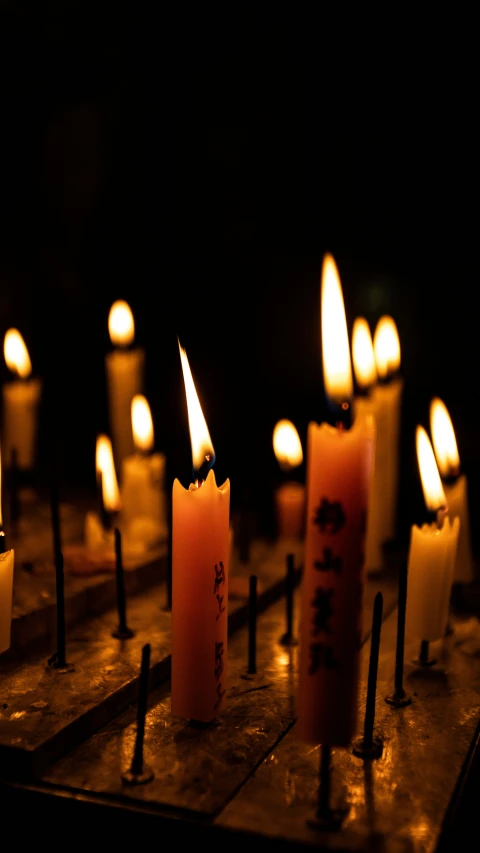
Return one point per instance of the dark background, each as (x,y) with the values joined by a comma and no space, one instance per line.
(199,167)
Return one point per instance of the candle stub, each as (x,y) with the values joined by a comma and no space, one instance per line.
(6,590)
(21,397)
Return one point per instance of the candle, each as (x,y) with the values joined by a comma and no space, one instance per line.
(290,495)
(454,484)
(388,394)
(339,466)
(200,563)
(432,554)
(6,584)
(125,378)
(366,404)
(144,512)
(21,397)
(99,526)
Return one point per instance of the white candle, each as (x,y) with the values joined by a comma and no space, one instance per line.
(125,378)
(432,555)
(388,400)
(21,398)
(290,495)
(144,510)
(366,404)
(454,484)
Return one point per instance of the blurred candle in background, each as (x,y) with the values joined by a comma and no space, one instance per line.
(144,512)
(6,583)
(432,552)
(99,525)
(388,400)
(200,568)
(339,467)
(125,368)
(366,404)
(290,495)
(21,397)
(454,484)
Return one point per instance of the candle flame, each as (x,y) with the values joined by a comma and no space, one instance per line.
(363,355)
(202,447)
(444,441)
(287,445)
(433,493)
(337,370)
(106,467)
(121,326)
(142,424)
(386,346)
(16,354)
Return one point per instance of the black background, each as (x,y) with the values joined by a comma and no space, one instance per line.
(199,165)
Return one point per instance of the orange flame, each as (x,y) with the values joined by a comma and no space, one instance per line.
(106,467)
(142,424)
(363,356)
(287,445)
(444,441)
(386,346)
(16,354)
(202,447)
(433,492)
(121,325)
(337,370)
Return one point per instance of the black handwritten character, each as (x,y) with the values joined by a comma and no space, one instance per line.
(220,695)
(329,516)
(219,665)
(330,563)
(219,577)
(323,611)
(321,655)
(221,607)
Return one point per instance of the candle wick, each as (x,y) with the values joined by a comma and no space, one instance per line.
(442,512)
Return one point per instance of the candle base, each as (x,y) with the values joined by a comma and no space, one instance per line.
(132,778)
(288,640)
(367,750)
(329,820)
(53,665)
(399,699)
(123,633)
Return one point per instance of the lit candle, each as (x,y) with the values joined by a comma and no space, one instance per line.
(125,378)
(144,512)
(200,563)
(6,584)
(99,526)
(339,467)
(454,484)
(432,554)
(21,397)
(388,394)
(290,495)
(366,404)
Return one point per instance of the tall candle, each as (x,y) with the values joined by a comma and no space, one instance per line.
(125,378)
(454,484)
(388,395)
(339,467)
(431,557)
(144,512)
(290,495)
(6,585)
(200,564)
(21,397)
(366,404)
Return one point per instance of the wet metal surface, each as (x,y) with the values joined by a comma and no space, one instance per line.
(397,802)
(45,713)
(200,770)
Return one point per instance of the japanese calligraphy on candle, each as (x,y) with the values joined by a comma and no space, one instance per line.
(339,463)
(200,560)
